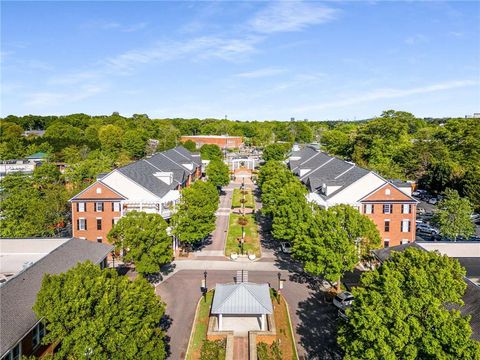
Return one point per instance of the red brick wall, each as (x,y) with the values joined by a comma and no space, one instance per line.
(231,142)
(396,199)
(107,215)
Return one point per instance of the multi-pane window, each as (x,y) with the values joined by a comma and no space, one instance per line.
(406,209)
(15,353)
(99,239)
(99,223)
(116,206)
(368,209)
(387,208)
(81,207)
(387,226)
(38,334)
(405,226)
(99,206)
(386,243)
(82,224)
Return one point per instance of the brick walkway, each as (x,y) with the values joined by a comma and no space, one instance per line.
(240,348)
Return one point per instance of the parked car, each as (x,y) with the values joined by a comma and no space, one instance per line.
(474,238)
(286,247)
(343,300)
(420,210)
(426,229)
(419,192)
(342,315)
(433,201)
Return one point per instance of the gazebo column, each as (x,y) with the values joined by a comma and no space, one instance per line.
(263,322)
(220,325)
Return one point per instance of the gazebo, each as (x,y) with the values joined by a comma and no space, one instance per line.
(242,307)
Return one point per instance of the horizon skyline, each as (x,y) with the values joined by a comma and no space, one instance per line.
(254,61)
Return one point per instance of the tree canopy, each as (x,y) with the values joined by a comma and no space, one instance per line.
(403,310)
(145,236)
(276,151)
(334,241)
(453,216)
(218,173)
(211,152)
(99,313)
(190,145)
(195,215)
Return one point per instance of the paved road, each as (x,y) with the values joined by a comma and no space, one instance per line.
(313,319)
(217,240)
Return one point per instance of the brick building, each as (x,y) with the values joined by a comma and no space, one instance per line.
(151,185)
(223,141)
(331,181)
(24,263)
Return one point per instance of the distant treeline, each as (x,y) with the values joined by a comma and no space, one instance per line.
(438,153)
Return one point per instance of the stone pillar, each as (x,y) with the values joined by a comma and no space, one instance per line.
(220,325)
(263,322)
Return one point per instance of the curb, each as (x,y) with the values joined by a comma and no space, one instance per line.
(290,326)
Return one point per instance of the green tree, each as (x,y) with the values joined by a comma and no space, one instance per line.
(403,311)
(291,212)
(195,215)
(100,313)
(190,145)
(134,142)
(275,151)
(211,152)
(453,215)
(213,350)
(110,137)
(335,241)
(145,237)
(218,173)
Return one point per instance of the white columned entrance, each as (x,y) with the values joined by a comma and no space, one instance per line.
(263,322)
(220,325)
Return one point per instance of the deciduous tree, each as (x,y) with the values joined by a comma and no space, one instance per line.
(218,173)
(403,310)
(453,215)
(98,314)
(146,240)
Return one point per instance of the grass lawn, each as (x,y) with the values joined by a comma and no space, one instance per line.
(237,196)
(284,333)
(200,328)
(251,245)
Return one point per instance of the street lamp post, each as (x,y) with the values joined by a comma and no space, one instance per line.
(204,286)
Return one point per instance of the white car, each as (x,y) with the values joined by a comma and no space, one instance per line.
(343,300)
(432,201)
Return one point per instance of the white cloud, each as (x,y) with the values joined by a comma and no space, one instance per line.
(42,99)
(388,94)
(114,25)
(416,39)
(259,73)
(201,48)
(290,16)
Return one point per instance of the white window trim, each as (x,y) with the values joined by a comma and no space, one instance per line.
(81,206)
(81,224)
(116,206)
(405,225)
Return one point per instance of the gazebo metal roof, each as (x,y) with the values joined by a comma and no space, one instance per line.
(242,299)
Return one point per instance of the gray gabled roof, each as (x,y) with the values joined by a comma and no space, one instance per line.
(19,293)
(173,160)
(242,299)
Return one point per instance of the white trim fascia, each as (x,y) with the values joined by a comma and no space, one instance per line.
(144,188)
(358,200)
(95,182)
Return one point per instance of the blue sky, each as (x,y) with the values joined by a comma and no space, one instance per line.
(247,60)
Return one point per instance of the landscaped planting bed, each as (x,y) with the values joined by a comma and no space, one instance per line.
(200,328)
(251,244)
(238,196)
